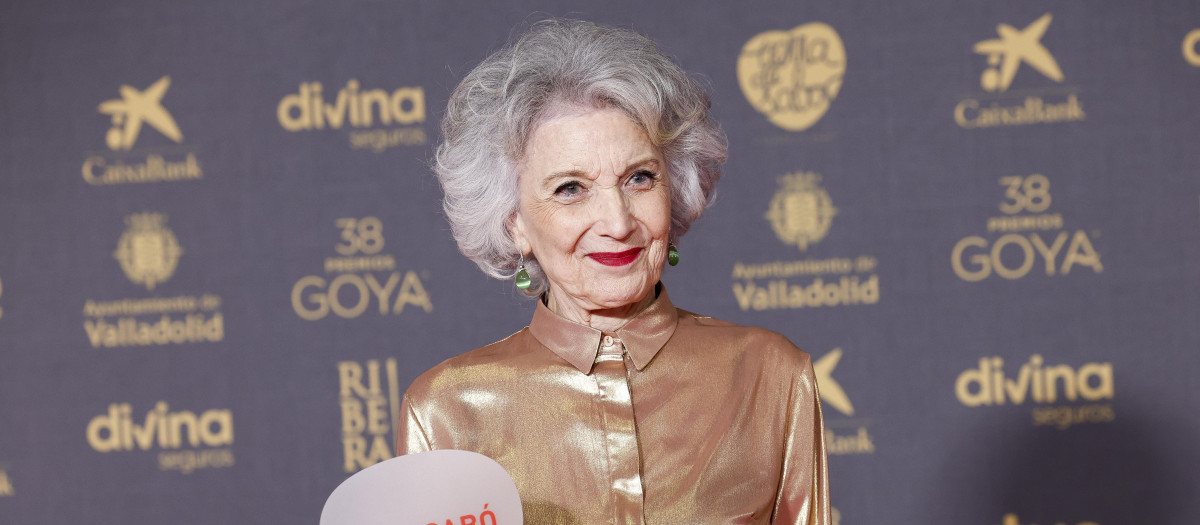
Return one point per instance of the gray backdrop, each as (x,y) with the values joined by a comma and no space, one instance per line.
(215,280)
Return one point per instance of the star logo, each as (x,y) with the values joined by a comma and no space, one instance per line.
(137,107)
(831,391)
(1005,54)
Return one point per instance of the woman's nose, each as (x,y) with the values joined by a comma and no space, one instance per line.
(613,216)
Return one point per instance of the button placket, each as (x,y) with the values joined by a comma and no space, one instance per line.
(616,402)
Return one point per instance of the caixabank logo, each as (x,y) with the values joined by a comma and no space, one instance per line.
(376,119)
(182,440)
(359,276)
(148,253)
(1061,395)
(846,431)
(1027,234)
(130,116)
(793,76)
(369,394)
(1014,52)
(801,214)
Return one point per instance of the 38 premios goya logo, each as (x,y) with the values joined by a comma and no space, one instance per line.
(148,253)
(361,275)
(793,76)
(131,115)
(801,214)
(1027,234)
(377,119)
(183,439)
(1016,52)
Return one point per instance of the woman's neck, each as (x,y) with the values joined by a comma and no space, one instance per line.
(606,319)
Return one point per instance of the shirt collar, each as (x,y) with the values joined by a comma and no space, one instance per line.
(578,344)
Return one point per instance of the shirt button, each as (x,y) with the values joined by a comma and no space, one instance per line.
(608,340)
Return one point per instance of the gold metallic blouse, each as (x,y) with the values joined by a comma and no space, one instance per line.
(674,419)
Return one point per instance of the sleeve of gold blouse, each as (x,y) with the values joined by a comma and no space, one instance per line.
(410,436)
(804,488)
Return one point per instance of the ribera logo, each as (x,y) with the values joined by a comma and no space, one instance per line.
(990,384)
(801,214)
(858,440)
(793,76)
(1005,55)
(135,110)
(370,401)
(118,430)
(371,114)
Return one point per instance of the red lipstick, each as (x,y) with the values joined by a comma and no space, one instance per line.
(615,258)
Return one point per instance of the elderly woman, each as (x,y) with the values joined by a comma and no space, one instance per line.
(574,160)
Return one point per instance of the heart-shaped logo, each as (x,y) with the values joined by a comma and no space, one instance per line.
(793,76)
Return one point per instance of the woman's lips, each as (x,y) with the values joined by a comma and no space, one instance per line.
(615,258)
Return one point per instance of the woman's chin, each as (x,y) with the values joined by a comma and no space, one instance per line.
(620,296)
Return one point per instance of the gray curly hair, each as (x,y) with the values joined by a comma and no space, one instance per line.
(493,111)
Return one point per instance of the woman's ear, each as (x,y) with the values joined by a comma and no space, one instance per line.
(516,228)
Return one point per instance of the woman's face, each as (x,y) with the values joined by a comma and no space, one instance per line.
(595,208)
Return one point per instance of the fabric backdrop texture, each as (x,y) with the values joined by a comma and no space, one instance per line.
(223,256)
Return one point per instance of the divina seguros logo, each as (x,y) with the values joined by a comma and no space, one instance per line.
(1005,56)
(793,76)
(379,120)
(130,114)
(990,385)
(187,441)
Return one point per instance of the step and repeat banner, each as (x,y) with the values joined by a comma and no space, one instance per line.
(222,256)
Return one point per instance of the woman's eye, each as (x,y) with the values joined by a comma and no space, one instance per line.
(569,189)
(642,178)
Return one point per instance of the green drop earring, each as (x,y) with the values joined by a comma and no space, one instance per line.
(672,254)
(522,279)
